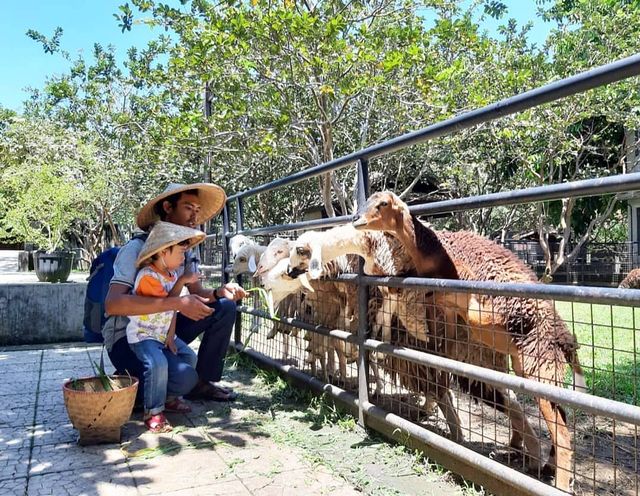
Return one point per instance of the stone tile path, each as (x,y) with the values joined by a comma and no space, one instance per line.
(215,450)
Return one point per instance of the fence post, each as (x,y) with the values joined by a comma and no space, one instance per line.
(237,336)
(362,192)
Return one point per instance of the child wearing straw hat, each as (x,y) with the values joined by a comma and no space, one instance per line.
(152,336)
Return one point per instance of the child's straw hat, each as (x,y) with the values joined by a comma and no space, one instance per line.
(211,196)
(165,234)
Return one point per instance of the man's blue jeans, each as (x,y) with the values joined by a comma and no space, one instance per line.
(160,364)
(216,332)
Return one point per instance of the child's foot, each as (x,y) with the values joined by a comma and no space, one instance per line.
(177,405)
(158,424)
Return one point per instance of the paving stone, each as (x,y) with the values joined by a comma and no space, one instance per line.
(260,459)
(231,488)
(51,385)
(13,463)
(114,480)
(18,387)
(14,437)
(53,433)
(17,411)
(317,481)
(52,413)
(13,486)
(182,469)
(27,374)
(70,456)
(21,357)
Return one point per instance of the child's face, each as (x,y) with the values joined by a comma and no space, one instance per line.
(174,255)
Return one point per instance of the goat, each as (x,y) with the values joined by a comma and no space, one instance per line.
(518,327)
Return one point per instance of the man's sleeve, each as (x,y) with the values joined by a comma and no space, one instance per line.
(124,267)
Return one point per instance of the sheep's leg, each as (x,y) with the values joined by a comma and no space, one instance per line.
(285,347)
(342,359)
(444,399)
(522,430)
(554,416)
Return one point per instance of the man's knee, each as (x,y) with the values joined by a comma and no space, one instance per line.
(226,309)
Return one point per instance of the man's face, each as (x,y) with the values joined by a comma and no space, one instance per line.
(185,212)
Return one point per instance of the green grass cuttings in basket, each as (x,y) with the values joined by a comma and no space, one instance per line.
(266,298)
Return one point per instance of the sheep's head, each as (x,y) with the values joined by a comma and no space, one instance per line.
(306,254)
(281,285)
(383,211)
(237,242)
(277,250)
(246,259)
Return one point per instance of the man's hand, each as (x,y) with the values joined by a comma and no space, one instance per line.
(231,291)
(194,307)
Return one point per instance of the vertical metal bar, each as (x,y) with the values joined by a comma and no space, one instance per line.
(362,191)
(237,335)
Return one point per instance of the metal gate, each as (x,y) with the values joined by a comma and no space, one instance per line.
(603,423)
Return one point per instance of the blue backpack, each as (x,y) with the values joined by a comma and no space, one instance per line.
(100,275)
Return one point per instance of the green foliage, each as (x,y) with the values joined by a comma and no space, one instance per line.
(295,84)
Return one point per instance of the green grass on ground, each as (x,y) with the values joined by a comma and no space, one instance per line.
(609,338)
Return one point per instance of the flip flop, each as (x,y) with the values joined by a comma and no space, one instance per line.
(209,392)
(176,405)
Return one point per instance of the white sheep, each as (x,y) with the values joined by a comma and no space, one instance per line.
(247,259)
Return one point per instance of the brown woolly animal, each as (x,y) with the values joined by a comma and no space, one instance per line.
(530,332)
(414,309)
(632,281)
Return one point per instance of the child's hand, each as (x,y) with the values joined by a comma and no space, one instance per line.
(189,278)
(171,344)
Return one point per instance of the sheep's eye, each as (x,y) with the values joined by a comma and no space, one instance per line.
(242,259)
(383,204)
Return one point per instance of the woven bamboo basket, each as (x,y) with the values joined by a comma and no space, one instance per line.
(98,414)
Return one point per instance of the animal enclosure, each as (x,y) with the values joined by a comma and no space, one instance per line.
(525,387)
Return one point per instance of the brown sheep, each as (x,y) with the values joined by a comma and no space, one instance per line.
(385,255)
(632,281)
(531,333)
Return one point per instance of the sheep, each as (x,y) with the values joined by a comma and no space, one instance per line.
(237,242)
(328,302)
(246,259)
(286,305)
(632,281)
(384,255)
(518,327)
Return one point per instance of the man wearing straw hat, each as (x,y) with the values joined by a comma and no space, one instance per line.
(210,312)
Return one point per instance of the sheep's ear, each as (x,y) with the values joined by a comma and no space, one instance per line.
(315,268)
(304,280)
(252,263)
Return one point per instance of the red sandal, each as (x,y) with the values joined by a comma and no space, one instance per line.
(177,405)
(158,424)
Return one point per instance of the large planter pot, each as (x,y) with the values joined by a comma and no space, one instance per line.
(98,414)
(53,267)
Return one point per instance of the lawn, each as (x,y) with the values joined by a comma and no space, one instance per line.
(609,338)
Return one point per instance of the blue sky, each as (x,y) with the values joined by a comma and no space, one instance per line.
(24,64)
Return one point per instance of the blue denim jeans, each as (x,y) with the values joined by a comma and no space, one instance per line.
(216,332)
(165,374)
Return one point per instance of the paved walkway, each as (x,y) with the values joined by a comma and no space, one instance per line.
(218,451)
(9,271)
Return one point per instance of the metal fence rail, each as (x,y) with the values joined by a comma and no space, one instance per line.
(411,373)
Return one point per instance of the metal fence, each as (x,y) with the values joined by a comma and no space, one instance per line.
(420,387)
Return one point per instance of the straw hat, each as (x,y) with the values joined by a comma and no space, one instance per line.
(165,234)
(211,196)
